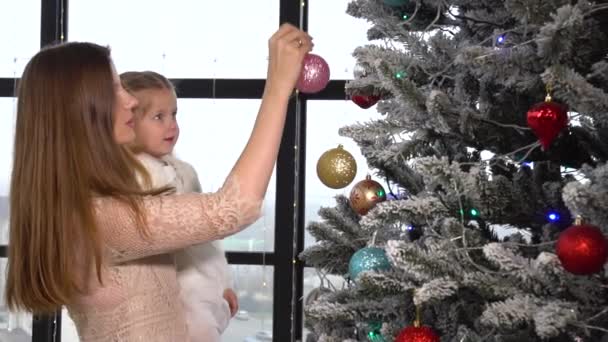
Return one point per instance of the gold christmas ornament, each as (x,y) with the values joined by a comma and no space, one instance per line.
(336,168)
(365,195)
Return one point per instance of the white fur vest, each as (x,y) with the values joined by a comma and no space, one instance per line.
(200,266)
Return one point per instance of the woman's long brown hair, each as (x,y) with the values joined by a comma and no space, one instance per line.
(64,156)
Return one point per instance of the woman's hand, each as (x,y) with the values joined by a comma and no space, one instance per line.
(287,48)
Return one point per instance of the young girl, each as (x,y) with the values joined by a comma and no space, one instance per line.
(203,272)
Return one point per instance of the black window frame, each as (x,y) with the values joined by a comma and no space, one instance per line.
(290,174)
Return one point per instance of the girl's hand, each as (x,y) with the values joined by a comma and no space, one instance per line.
(233,301)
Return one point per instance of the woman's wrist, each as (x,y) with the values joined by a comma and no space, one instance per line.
(275,91)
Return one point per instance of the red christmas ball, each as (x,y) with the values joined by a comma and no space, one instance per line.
(582,249)
(547,119)
(365,101)
(417,334)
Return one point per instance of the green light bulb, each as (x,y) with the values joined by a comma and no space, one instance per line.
(400,74)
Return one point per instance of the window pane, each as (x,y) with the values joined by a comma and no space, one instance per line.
(336,45)
(213,134)
(19,37)
(323,121)
(183,38)
(316,283)
(7,115)
(253,286)
(14,327)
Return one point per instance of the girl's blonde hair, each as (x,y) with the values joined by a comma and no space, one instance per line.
(135,81)
(142,80)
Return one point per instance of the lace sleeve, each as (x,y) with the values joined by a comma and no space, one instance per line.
(175,221)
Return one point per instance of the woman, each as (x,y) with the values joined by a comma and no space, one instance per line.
(83,233)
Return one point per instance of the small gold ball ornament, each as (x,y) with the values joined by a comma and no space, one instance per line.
(336,168)
(365,195)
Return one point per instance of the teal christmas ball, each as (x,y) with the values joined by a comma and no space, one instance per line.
(396,3)
(368,259)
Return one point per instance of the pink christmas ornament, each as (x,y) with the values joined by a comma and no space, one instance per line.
(314,76)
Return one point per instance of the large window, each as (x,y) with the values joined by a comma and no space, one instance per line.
(207,40)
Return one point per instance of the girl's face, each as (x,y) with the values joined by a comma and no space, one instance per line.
(156,128)
(124,120)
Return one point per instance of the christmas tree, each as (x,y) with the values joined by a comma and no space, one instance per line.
(492,148)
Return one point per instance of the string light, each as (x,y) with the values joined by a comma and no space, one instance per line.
(553,216)
(473,212)
(407,228)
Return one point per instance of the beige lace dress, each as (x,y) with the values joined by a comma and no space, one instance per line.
(138,300)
